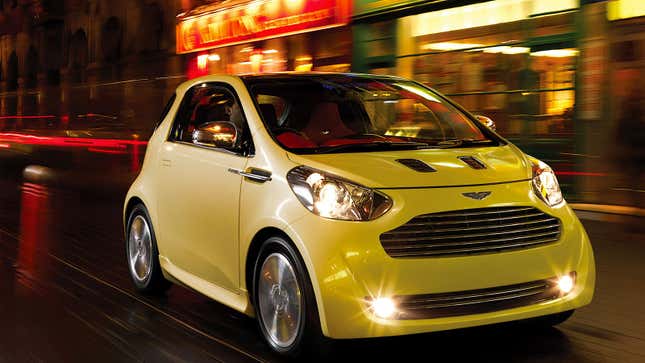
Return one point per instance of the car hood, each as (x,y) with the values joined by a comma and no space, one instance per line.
(382,170)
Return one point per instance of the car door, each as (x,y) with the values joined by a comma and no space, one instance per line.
(200,189)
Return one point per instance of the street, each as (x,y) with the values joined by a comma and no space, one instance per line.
(65,296)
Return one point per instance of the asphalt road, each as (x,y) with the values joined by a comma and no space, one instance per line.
(65,296)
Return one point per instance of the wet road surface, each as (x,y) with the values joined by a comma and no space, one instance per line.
(65,296)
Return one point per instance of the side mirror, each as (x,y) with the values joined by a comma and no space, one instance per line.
(486,121)
(220,134)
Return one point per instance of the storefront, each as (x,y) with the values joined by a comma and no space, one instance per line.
(512,60)
(266,36)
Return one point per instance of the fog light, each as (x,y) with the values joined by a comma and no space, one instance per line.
(383,307)
(565,284)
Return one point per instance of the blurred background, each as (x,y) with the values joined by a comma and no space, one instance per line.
(83,82)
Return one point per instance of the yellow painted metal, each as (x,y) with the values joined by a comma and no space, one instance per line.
(345,260)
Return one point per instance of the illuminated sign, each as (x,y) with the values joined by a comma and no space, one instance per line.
(624,9)
(484,14)
(257,20)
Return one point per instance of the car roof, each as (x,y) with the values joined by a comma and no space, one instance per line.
(282,75)
(297,75)
(278,76)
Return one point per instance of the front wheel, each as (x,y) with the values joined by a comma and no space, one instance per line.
(284,300)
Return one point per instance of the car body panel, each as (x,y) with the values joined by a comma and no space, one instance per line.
(357,266)
(380,169)
(345,260)
(198,199)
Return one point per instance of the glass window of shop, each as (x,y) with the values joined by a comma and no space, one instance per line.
(518,70)
(325,50)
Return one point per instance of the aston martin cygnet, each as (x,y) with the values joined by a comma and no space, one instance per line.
(340,206)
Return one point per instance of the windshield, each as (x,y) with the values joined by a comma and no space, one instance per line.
(320,114)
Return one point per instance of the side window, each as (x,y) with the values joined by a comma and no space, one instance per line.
(211,115)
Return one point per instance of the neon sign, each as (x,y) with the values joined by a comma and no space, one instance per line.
(257,20)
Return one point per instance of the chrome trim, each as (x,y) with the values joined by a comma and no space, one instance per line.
(477,195)
(516,231)
(477,301)
(477,212)
(460,229)
(486,220)
(540,285)
(254,174)
(468,250)
(474,231)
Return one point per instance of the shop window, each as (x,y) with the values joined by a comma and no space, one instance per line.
(525,82)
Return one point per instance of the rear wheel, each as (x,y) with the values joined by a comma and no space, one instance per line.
(284,300)
(142,253)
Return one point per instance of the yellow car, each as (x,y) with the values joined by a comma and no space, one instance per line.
(350,206)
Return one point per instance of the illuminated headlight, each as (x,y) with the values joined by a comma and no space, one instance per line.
(383,307)
(545,184)
(566,283)
(333,197)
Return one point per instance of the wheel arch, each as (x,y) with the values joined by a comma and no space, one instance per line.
(253,250)
(252,254)
(130,204)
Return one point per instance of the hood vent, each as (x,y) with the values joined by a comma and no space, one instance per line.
(472,162)
(417,165)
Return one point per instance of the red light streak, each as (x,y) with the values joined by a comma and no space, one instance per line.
(4,146)
(62,141)
(107,151)
(26,117)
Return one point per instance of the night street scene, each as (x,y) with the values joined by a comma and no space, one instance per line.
(322,180)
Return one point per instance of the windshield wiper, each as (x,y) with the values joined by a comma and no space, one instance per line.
(385,145)
(450,143)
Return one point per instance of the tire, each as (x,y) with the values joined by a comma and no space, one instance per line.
(145,270)
(552,320)
(290,299)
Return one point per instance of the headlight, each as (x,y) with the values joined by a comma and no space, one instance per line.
(545,184)
(333,197)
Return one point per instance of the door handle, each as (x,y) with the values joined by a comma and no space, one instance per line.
(166,162)
(255,174)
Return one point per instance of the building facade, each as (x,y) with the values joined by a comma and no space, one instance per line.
(560,78)
(46,42)
(554,75)
(265,36)
(87,64)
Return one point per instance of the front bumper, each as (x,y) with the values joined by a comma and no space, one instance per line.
(347,263)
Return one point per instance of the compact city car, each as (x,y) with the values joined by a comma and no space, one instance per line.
(350,206)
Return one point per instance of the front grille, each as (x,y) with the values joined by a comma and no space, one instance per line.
(476,301)
(471,231)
